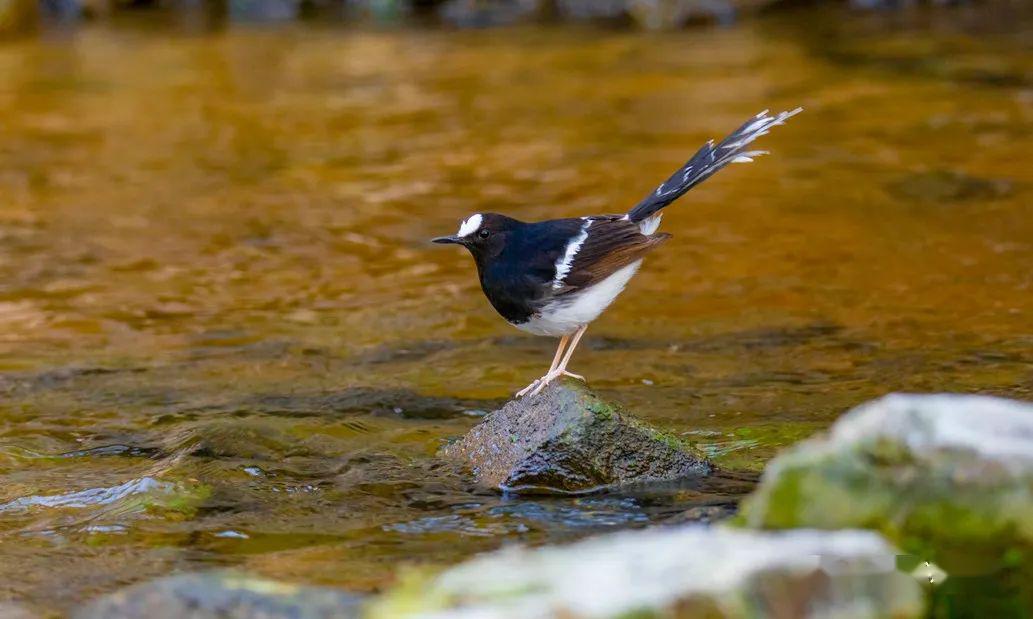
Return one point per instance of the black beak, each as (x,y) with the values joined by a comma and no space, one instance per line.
(455,240)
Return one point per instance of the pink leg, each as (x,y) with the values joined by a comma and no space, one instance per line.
(570,352)
(561,369)
(552,368)
(559,352)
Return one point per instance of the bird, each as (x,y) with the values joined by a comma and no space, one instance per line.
(553,278)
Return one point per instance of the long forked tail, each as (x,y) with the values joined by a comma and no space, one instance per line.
(709,159)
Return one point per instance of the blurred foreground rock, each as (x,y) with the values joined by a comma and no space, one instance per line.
(567,440)
(688,571)
(946,477)
(222,595)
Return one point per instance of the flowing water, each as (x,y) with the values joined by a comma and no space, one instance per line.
(226,340)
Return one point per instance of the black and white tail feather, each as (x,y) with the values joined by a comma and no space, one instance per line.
(708,159)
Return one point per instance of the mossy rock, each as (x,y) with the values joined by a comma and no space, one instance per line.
(682,571)
(948,478)
(568,440)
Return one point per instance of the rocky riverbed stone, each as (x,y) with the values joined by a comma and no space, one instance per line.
(687,571)
(946,477)
(568,440)
(222,595)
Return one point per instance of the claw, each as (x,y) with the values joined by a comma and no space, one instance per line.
(536,387)
(539,388)
(544,381)
(529,387)
(559,363)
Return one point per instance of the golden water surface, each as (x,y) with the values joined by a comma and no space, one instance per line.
(225,339)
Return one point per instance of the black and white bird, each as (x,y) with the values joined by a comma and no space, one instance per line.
(555,277)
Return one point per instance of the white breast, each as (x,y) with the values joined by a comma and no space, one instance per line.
(563,316)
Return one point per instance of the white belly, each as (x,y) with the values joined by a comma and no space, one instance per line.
(564,316)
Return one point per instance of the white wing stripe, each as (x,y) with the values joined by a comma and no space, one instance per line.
(565,261)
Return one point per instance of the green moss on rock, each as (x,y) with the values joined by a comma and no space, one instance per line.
(947,478)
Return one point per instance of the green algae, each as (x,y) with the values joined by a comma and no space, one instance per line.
(181,503)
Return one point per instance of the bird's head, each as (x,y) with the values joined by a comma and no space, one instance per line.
(483,234)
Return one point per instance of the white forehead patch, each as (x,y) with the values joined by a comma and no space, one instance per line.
(470,225)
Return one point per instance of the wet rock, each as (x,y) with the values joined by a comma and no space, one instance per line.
(222,595)
(687,571)
(568,440)
(947,477)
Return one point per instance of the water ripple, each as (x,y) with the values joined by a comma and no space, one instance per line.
(89,498)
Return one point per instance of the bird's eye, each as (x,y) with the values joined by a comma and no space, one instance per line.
(483,234)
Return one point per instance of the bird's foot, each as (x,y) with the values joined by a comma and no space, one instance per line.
(528,388)
(536,387)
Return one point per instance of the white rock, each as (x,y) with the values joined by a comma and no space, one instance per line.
(830,574)
(946,477)
(994,428)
